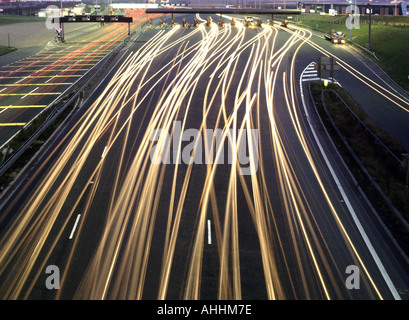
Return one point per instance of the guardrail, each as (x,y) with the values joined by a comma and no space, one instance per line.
(394,210)
(367,129)
(372,53)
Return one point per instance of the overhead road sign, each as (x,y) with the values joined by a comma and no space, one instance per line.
(247,11)
(89,18)
(86,18)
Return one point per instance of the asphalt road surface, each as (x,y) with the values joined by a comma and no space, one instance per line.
(196,173)
(32,37)
(28,86)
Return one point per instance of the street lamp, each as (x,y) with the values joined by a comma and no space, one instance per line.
(61,24)
(350,26)
(297,9)
(368,46)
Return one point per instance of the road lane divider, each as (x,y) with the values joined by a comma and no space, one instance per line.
(29,94)
(35,84)
(104,152)
(36,77)
(75,226)
(12,124)
(44,70)
(209,232)
(32,91)
(23,106)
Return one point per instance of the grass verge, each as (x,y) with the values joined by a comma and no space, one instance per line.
(384,169)
(12,19)
(6,49)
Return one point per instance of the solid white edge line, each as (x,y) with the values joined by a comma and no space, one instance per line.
(348,204)
(310,79)
(75,226)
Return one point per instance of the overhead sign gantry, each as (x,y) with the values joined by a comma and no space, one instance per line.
(90,18)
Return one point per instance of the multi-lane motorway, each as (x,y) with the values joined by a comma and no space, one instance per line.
(197,172)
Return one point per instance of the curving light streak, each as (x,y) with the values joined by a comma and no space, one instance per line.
(382,90)
(240,93)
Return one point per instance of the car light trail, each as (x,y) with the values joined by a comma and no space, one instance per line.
(241,82)
(382,90)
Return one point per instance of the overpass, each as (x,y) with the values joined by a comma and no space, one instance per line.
(246,11)
(221,11)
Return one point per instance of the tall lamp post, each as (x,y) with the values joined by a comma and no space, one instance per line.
(350,27)
(368,46)
(297,9)
(61,24)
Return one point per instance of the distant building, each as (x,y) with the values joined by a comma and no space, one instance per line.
(151,4)
(31,7)
(381,8)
